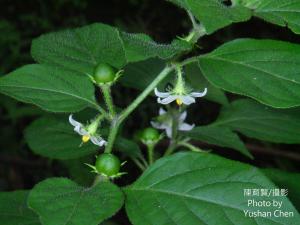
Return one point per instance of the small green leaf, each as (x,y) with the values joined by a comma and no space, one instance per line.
(54,138)
(265,70)
(81,49)
(14,210)
(261,122)
(200,188)
(213,14)
(286,180)
(280,12)
(52,89)
(60,201)
(219,136)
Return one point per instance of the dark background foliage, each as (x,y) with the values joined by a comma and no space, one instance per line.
(21,21)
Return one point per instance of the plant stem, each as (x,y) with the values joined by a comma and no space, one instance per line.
(117,120)
(139,164)
(108,99)
(150,149)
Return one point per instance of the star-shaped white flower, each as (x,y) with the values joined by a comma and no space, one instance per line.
(87,132)
(181,93)
(166,124)
(181,98)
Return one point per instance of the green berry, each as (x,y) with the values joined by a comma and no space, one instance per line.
(150,134)
(108,164)
(104,73)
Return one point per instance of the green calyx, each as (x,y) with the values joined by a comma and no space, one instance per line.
(180,87)
(93,126)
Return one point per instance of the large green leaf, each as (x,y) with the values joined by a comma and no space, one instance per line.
(261,122)
(14,210)
(220,136)
(198,82)
(262,69)
(55,138)
(60,201)
(280,12)
(83,48)
(213,14)
(286,180)
(196,188)
(50,88)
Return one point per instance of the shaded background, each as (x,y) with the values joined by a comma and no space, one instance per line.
(21,21)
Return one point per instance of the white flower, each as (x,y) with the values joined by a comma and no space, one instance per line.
(181,93)
(166,123)
(87,132)
(181,98)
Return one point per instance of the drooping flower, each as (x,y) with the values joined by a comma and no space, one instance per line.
(88,132)
(165,122)
(180,93)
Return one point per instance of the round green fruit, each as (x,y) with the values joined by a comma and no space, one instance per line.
(108,164)
(104,73)
(150,134)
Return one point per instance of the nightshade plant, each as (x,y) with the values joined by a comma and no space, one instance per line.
(184,184)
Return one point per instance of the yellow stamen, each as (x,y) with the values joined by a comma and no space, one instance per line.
(179,101)
(85,138)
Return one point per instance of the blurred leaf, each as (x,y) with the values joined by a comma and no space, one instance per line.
(286,180)
(14,210)
(265,70)
(60,201)
(219,136)
(199,82)
(51,89)
(213,14)
(128,147)
(83,48)
(78,171)
(200,188)
(54,138)
(279,12)
(261,122)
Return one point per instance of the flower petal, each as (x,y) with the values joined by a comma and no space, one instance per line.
(74,122)
(161,94)
(199,94)
(157,125)
(80,130)
(169,131)
(167,100)
(182,116)
(185,126)
(187,100)
(98,140)
(161,111)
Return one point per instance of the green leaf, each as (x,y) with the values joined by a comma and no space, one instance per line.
(288,181)
(52,89)
(213,14)
(198,82)
(219,136)
(261,122)
(60,201)
(280,12)
(200,188)
(54,138)
(128,147)
(83,48)
(14,210)
(265,70)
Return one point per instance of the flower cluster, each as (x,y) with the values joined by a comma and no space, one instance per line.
(182,94)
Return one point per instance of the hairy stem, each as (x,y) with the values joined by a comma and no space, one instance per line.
(108,99)
(150,149)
